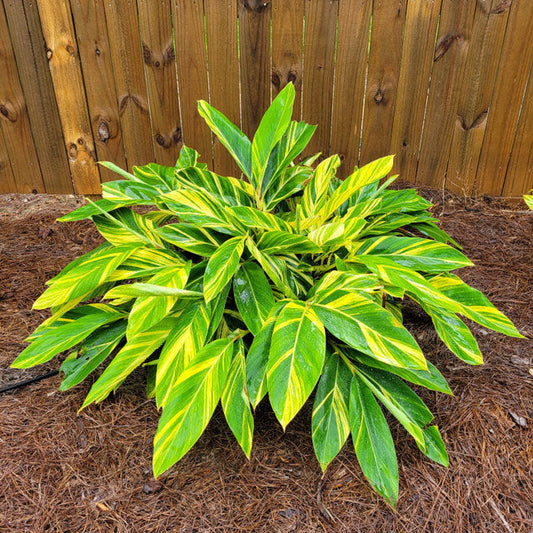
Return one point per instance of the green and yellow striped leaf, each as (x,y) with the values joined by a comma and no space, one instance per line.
(290,181)
(96,208)
(435,448)
(69,332)
(184,340)
(296,358)
(231,137)
(474,304)
(331,285)
(126,191)
(528,198)
(228,191)
(149,310)
(132,355)
(253,218)
(330,422)
(192,238)
(222,266)
(257,358)
(125,226)
(338,233)
(78,281)
(202,209)
(273,125)
(192,403)
(362,176)
(399,399)
(373,442)
(282,242)
(369,328)
(412,252)
(253,295)
(160,177)
(93,351)
(235,402)
(316,191)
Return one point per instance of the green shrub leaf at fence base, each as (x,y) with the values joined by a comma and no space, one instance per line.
(281,284)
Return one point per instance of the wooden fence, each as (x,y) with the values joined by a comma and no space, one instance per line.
(443,84)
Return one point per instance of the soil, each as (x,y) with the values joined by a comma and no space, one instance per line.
(64,472)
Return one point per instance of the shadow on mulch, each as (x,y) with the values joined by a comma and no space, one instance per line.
(60,471)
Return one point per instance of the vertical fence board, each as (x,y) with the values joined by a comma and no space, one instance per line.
(7,180)
(417,59)
(287,49)
(350,72)
(27,41)
(388,19)
(319,69)
(222,46)
(93,45)
(455,29)
(14,121)
(519,178)
(506,100)
(58,31)
(126,56)
(490,21)
(188,16)
(160,73)
(254,28)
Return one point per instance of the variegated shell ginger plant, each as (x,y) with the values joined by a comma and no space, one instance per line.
(282,283)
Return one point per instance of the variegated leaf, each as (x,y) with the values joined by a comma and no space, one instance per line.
(295,361)
(281,242)
(192,403)
(330,422)
(253,218)
(192,238)
(373,442)
(235,401)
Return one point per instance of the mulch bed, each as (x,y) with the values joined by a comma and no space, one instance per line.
(91,472)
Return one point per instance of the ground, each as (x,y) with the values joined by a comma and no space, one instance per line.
(60,471)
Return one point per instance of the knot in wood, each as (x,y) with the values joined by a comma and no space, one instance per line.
(103,131)
(257,6)
(49,54)
(176,135)
(276,81)
(162,140)
(291,77)
(73,151)
(70,49)
(378,97)
(97,51)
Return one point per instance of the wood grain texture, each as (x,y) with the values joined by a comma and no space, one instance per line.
(58,31)
(455,31)
(160,72)
(222,51)
(254,28)
(417,59)
(188,18)
(319,69)
(506,100)
(519,178)
(350,73)
(287,49)
(490,22)
(388,19)
(93,45)
(14,121)
(27,41)
(126,56)
(7,180)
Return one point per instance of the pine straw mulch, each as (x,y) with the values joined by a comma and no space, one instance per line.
(60,471)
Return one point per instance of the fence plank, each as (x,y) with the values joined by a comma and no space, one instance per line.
(350,72)
(58,31)
(490,21)
(160,73)
(188,16)
(14,120)
(519,178)
(455,29)
(506,100)
(254,28)
(417,59)
(7,180)
(388,19)
(126,56)
(27,41)
(287,49)
(93,45)
(222,47)
(319,68)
